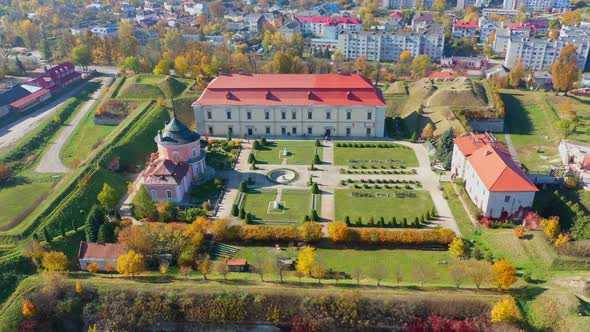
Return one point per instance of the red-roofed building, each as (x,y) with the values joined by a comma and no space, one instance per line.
(99,253)
(179,160)
(464,29)
(237,265)
(493,181)
(291,105)
(30,100)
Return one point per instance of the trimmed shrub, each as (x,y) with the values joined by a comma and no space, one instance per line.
(347,220)
(243,186)
(242,213)
(249,219)
(317,143)
(315,189)
(256,145)
(234,210)
(251,158)
(313,215)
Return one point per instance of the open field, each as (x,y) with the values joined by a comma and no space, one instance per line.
(377,207)
(18,198)
(294,205)
(397,156)
(301,152)
(531,124)
(579,105)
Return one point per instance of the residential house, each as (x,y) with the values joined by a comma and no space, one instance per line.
(542,80)
(196,9)
(492,180)
(102,254)
(291,28)
(486,28)
(255,22)
(105,31)
(421,21)
(464,29)
(328,27)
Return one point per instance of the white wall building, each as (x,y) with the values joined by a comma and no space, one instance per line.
(538,5)
(291,105)
(541,53)
(387,46)
(328,27)
(493,181)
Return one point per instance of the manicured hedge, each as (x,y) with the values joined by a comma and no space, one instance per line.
(371,145)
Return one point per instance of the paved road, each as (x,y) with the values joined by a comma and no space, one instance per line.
(51,162)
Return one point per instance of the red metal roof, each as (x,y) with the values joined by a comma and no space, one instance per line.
(291,89)
(499,172)
(466,24)
(164,171)
(326,20)
(236,262)
(100,250)
(396,15)
(468,144)
(526,25)
(24,101)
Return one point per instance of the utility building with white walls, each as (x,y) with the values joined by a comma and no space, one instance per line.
(492,180)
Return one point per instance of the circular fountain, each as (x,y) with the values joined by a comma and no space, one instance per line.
(282,175)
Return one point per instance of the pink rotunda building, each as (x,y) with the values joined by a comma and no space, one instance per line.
(179,160)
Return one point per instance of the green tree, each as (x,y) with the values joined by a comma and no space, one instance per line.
(106,233)
(107,197)
(421,65)
(143,205)
(81,56)
(132,64)
(96,217)
(444,151)
(45,50)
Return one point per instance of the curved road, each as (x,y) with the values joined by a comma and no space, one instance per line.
(51,162)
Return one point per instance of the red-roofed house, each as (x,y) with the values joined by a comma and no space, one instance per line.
(493,181)
(291,105)
(464,29)
(237,265)
(99,253)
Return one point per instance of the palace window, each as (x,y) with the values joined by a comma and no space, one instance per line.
(228,115)
(154,195)
(507,199)
(328,115)
(348,115)
(283,115)
(309,115)
(249,115)
(168,194)
(209,116)
(266,115)
(370,116)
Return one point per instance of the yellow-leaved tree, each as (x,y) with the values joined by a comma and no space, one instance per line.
(338,231)
(505,274)
(551,227)
(92,267)
(78,287)
(305,260)
(457,248)
(506,310)
(130,263)
(54,261)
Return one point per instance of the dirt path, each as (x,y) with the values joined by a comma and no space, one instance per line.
(51,162)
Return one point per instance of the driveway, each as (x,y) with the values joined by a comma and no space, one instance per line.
(51,162)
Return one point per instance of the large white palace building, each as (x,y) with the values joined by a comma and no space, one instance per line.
(291,105)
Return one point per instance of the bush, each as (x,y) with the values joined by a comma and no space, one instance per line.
(313,215)
(315,189)
(251,158)
(249,219)
(243,186)
(347,220)
(234,210)
(263,141)
(256,145)
(317,143)
(242,213)
(316,159)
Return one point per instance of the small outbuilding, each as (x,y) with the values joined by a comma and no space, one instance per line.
(237,265)
(99,253)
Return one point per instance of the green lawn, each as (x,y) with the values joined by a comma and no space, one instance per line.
(294,205)
(204,191)
(580,106)
(345,260)
(398,156)
(18,198)
(300,152)
(377,207)
(531,123)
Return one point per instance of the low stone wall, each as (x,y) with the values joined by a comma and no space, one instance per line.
(492,125)
(106,121)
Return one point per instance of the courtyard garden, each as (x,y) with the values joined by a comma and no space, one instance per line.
(370,205)
(299,152)
(293,205)
(374,155)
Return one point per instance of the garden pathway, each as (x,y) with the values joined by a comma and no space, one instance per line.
(50,161)
(328,178)
(233,179)
(511,148)
(328,153)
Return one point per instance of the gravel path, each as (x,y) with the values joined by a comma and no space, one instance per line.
(51,161)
